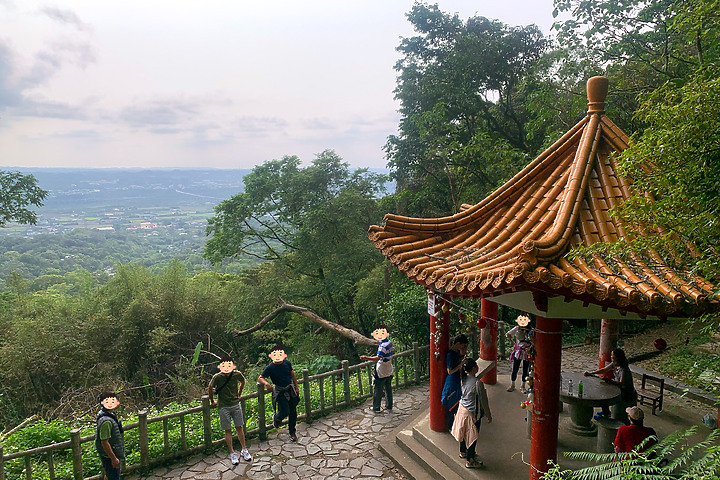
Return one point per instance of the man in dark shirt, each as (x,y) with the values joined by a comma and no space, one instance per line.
(451,389)
(284,388)
(630,436)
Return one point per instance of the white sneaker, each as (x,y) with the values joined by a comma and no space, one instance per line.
(234,458)
(246,455)
(511,388)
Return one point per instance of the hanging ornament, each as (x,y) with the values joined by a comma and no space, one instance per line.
(445,307)
(481,323)
(461,316)
(452,309)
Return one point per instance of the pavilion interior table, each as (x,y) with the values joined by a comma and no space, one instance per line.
(596,393)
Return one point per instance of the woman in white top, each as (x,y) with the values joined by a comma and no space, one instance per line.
(473,406)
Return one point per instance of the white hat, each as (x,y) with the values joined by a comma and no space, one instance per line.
(635,413)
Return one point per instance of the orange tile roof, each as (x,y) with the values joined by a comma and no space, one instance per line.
(516,239)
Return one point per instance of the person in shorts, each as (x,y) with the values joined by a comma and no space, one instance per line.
(228,386)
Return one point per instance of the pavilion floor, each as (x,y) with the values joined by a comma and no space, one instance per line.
(504,444)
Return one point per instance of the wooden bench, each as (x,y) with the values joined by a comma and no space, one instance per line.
(652,394)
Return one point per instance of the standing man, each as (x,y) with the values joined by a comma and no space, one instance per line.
(228,385)
(284,388)
(383,369)
(109,436)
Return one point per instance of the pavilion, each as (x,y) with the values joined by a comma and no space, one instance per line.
(511,249)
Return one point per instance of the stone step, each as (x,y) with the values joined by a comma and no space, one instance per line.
(423,457)
(445,449)
(403,461)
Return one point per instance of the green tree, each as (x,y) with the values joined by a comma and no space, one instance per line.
(310,222)
(463,90)
(17,192)
(640,44)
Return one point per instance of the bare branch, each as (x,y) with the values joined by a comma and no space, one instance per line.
(353,335)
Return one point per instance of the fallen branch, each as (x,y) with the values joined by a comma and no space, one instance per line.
(5,435)
(353,335)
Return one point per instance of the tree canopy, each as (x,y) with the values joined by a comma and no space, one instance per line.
(463,95)
(310,222)
(17,193)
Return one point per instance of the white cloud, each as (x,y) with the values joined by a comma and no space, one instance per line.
(214,83)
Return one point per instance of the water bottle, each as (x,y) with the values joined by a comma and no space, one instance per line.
(580,389)
(570,387)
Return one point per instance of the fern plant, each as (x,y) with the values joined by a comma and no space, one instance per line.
(671,458)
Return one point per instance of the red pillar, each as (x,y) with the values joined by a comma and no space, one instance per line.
(439,344)
(488,338)
(546,387)
(608,340)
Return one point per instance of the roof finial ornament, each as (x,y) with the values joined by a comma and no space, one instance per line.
(597,89)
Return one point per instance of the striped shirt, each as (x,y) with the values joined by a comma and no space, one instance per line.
(384,365)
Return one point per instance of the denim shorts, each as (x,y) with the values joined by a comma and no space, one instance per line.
(230,415)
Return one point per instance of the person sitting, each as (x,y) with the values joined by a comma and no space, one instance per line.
(630,436)
(622,377)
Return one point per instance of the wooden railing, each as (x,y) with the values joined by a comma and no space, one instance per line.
(411,367)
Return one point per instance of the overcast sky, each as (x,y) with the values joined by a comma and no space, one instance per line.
(213,83)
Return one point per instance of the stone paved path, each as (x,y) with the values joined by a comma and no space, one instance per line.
(339,446)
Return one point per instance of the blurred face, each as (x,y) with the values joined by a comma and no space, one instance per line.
(380,334)
(277,356)
(613,359)
(226,367)
(110,403)
(462,349)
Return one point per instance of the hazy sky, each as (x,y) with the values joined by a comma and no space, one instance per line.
(213,83)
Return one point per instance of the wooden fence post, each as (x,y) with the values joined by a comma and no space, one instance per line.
(306,394)
(207,422)
(416,361)
(143,440)
(346,381)
(76,454)
(262,431)
(2,464)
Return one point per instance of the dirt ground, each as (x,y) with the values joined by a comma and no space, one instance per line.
(638,344)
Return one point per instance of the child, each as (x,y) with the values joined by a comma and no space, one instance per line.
(284,388)
(228,385)
(383,369)
(473,406)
